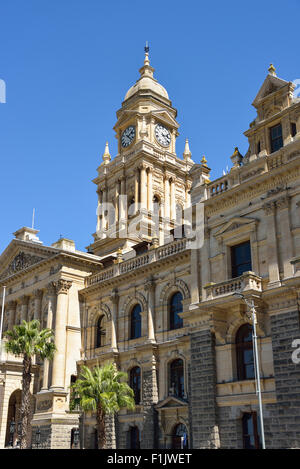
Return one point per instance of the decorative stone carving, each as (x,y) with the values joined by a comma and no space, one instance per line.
(63,286)
(283,202)
(21,261)
(269,208)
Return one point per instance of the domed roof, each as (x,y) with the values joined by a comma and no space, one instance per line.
(147,82)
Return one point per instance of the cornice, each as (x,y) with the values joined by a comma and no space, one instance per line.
(253,188)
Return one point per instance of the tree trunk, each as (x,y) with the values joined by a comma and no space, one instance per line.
(101,428)
(26,401)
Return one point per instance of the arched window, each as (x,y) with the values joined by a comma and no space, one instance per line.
(176,307)
(251,431)
(180,437)
(135,383)
(136,322)
(100,332)
(244,353)
(177,378)
(134,434)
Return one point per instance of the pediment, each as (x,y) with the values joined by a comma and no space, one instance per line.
(235,224)
(269,86)
(171,401)
(165,117)
(17,258)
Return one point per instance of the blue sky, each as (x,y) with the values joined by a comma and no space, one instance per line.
(67,65)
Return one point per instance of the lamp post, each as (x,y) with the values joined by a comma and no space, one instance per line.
(251,306)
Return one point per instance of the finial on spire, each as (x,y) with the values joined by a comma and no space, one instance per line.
(272,70)
(187,152)
(204,161)
(146,49)
(106,155)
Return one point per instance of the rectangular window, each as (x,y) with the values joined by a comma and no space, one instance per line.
(276,137)
(251,431)
(293,129)
(240,259)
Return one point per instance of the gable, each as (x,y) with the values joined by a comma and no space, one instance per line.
(20,256)
(165,117)
(235,224)
(269,86)
(170,402)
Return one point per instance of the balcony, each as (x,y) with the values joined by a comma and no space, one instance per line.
(248,281)
(137,262)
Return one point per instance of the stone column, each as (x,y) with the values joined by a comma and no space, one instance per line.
(100,215)
(104,209)
(172,200)
(150,191)
(269,209)
(136,189)
(24,308)
(115,302)
(58,371)
(187,195)
(150,287)
(282,204)
(11,308)
(116,201)
(143,188)
(122,204)
(38,295)
(167,197)
(51,298)
(205,262)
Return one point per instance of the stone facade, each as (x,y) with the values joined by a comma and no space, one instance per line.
(180,270)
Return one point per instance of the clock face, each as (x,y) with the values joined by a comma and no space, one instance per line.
(128,136)
(162,135)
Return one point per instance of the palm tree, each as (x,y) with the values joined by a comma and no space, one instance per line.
(28,340)
(102,390)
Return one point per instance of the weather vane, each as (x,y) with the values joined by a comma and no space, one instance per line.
(146,47)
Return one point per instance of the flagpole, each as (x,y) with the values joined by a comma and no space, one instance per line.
(1,322)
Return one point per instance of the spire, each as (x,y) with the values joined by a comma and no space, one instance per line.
(187,152)
(146,70)
(272,70)
(106,155)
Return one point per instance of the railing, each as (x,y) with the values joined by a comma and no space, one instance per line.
(247,281)
(221,185)
(172,248)
(134,263)
(101,276)
(139,261)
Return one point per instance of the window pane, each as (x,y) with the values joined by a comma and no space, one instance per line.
(136,322)
(176,378)
(244,350)
(176,307)
(276,137)
(241,259)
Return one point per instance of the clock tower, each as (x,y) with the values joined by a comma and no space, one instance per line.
(144,188)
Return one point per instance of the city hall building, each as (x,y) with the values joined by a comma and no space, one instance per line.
(155,290)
